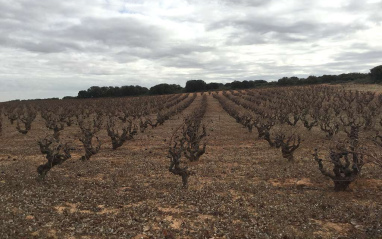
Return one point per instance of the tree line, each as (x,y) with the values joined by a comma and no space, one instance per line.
(375,76)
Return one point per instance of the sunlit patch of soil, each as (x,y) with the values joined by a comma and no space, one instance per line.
(175,223)
(50,234)
(290,182)
(367,183)
(30,217)
(169,210)
(328,228)
(97,177)
(205,217)
(73,208)
(141,236)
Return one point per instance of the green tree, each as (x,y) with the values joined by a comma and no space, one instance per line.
(162,89)
(83,94)
(196,85)
(214,86)
(376,74)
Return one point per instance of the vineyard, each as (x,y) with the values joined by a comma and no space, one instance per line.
(291,162)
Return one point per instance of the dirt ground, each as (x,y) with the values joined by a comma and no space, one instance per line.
(242,188)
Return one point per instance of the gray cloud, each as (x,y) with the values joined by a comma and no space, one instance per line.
(56,48)
(260,30)
(129,31)
(246,3)
(374,56)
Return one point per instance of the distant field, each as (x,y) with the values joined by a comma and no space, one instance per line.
(364,87)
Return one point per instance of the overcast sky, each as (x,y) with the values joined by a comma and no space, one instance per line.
(53,48)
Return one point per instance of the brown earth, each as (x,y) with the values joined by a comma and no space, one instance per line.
(242,189)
